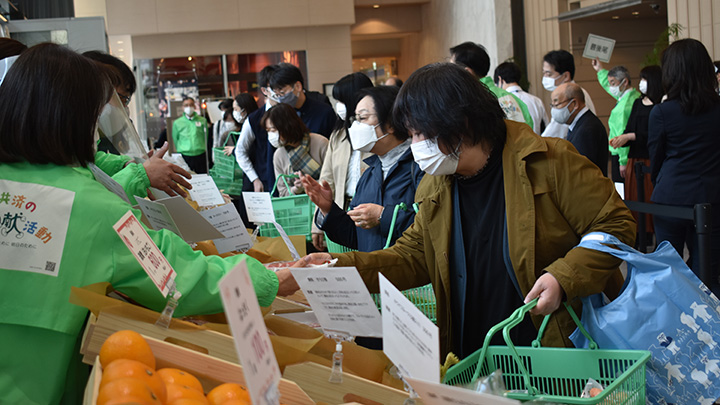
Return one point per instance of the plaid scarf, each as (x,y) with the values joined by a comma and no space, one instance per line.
(300,159)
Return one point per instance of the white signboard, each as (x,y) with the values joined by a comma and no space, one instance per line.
(108,182)
(157,215)
(252,342)
(410,340)
(288,242)
(340,300)
(33,226)
(599,47)
(259,207)
(204,191)
(146,252)
(192,226)
(440,394)
(226,219)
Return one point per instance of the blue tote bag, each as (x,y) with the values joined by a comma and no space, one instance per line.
(663,308)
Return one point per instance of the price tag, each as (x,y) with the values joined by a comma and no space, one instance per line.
(157,215)
(204,191)
(410,340)
(226,219)
(340,300)
(599,47)
(259,207)
(146,252)
(252,342)
(108,182)
(440,394)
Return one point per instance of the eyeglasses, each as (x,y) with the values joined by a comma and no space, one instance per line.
(558,104)
(361,118)
(284,91)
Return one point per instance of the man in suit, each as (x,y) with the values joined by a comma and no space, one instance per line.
(586,131)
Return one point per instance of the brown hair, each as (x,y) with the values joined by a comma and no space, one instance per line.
(289,125)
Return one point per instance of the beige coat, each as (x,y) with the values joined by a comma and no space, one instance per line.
(281,161)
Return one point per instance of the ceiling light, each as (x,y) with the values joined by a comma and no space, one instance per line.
(120,42)
(120,50)
(616,17)
(189,57)
(376,6)
(635,13)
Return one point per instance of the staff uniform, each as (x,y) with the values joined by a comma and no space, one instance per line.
(131,176)
(39,328)
(514,108)
(190,138)
(535,107)
(619,115)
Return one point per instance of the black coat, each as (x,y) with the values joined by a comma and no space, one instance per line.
(590,138)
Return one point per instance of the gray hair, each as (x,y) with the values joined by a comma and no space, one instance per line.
(620,73)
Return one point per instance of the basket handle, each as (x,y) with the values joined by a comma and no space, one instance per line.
(228,137)
(398,207)
(591,343)
(284,178)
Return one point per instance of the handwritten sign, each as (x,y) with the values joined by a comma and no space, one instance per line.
(146,252)
(226,219)
(440,394)
(204,191)
(599,47)
(252,343)
(259,207)
(108,182)
(410,340)
(340,300)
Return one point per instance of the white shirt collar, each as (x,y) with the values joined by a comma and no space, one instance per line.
(583,111)
(514,89)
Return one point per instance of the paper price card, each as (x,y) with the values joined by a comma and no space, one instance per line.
(226,219)
(440,394)
(108,182)
(158,215)
(252,342)
(204,191)
(599,47)
(340,300)
(288,242)
(410,340)
(146,252)
(259,207)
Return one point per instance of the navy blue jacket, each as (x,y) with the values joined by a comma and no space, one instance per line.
(399,186)
(318,117)
(261,153)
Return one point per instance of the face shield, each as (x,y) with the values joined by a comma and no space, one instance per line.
(114,124)
(5,66)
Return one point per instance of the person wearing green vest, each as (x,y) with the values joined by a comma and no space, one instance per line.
(56,231)
(617,83)
(189,132)
(473,58)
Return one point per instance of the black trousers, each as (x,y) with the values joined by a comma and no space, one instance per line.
(197,163)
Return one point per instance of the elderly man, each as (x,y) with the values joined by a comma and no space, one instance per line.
(501,211)
(586,131)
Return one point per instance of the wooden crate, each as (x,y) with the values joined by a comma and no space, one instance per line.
(209,370)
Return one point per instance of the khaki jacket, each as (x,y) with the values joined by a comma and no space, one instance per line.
(553,196)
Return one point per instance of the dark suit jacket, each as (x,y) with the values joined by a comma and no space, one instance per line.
(684,155)
(590,138)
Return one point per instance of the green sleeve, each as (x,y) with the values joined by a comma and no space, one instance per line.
(602,76)
(110,163)
(134,181)
(525,111)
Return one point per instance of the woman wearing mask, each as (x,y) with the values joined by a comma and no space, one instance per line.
(343,166)
(222,127)
(63,235)
(297,149)
(242,106)
(684,146)
(636,133)
(391,178)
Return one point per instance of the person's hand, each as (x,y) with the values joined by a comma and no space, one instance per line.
(366,216)
(164,175)
(623,170)
(287,284)
(597,65)
(321,195)
(318,240)
(258,186)
(550,292)
(313,258)
(297,187)
(228,150)
(621,140)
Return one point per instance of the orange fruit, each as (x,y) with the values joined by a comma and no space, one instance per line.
(187,401)
(177,391)
(177,376)
(226,392)
(126,368)
(127,389)
(236,402)
(126,344)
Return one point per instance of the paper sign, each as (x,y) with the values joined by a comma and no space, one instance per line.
(340,300)
(252,342)
(159,194)
(288,242)
(157,215)
(146,252)
(440,394)
(410,340)
(259,207)
(226,219)
(192,226)
(108,182)
(598,47)
(204,191)
(620,189)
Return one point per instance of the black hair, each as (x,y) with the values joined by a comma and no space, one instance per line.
(345,91)
(509,71)
(472,55)
(226,104)
(10,47)
(688,76)
(127,76)
(562,61)
(443,101)
(263,78)
(285,119)
(384,98)
(71,91)
(286,74)
(246,101)
(653,76)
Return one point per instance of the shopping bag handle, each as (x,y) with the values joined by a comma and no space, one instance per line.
(284,178)
(599,241)
(398,207)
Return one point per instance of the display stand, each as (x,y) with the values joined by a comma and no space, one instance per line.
(167,313)
(336,374)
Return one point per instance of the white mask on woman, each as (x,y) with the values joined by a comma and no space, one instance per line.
(238,116)
(643,86)
(341,110)
(432,160)
(363,136)
(274,139)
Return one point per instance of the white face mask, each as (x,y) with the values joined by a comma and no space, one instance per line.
(561,115)
(615,91)
(429,157)
(341,110)
(238,116)
(363,136)
(643,86)
(188,111)
(549,83)
(274,139)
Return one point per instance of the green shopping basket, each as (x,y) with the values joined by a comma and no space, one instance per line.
(422,297)
(294,213)
(226,172)
(555,375)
